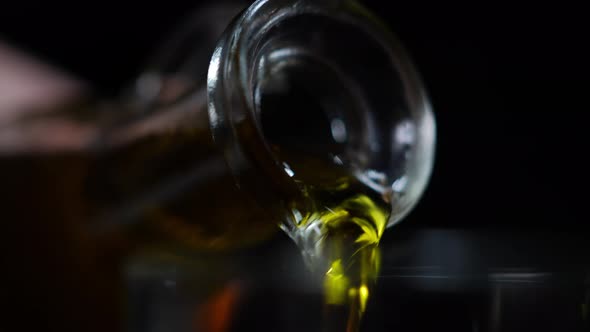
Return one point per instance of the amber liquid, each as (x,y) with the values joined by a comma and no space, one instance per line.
(165,184)
(74,209)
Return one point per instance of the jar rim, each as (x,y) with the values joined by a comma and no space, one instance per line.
(232,109)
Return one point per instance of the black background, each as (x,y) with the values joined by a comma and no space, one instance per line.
(507,79)
(508,82)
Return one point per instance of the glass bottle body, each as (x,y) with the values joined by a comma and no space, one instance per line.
(315,120)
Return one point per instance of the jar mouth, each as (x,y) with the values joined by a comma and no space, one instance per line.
(263,55)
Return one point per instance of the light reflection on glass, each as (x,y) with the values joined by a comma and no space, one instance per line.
(338,130)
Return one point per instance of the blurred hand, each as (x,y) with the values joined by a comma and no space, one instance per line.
(56,278)
(27,84)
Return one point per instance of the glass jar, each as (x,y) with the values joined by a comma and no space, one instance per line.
(323,77)
(307,106)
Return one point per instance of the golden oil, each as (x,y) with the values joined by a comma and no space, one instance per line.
(338,229)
